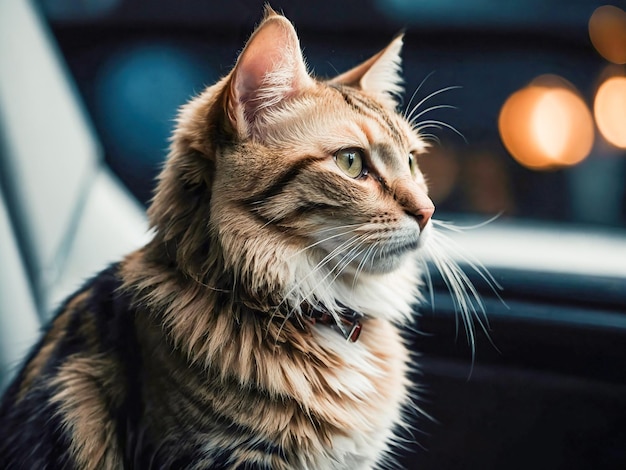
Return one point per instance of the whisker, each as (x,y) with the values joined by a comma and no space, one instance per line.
(271,221)
(350,257)
(443,252)
(343,246)
(404,114)
(457,295)
(440,123)
(454,269)
(362,263)
(476,266)
(472,262)
(465,296)
(460,228)
(434,93)
(432,108)
(319,265)
(461,301)
(347,259)
(312,245)
(338,227)
(421,127)
(429,283)
(432,137)
(334,68)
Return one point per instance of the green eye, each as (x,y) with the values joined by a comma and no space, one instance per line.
(350,161)
(412,165)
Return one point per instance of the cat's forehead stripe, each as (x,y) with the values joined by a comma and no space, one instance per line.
(372,110)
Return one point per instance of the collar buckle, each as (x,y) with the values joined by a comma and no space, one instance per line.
(350,330)
(349,325)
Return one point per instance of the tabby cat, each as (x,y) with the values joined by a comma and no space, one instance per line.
(260,327)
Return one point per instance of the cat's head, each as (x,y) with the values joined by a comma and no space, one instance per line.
(284,176)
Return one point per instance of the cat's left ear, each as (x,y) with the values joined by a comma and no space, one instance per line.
(380,74)
(270,70)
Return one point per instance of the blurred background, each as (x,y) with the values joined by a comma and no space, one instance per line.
(524,102)
(524,105)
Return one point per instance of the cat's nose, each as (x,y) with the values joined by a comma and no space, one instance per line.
(414,201)
(423,215)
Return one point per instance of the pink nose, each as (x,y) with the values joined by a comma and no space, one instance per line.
(415,201)
(423,215)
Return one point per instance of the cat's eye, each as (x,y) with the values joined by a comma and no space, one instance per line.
(350,161)
(412,164)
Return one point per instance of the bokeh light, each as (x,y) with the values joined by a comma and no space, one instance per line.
(607,31)
(610,110)
(546,125)
(136,96)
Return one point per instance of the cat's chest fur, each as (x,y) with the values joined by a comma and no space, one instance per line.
(305,398)
(335,415)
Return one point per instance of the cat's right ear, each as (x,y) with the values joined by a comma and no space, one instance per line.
(270,69)
(380,74)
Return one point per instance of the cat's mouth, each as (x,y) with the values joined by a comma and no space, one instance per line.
(376,258)
(389,258)
(400,248)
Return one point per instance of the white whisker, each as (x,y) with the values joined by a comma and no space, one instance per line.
(404,114)
(461,228)
(444,252)
(346,260)
(362,263)
(429,283)
(451,246)
(433,137)
(319,242)
(346,245)
(342,246)
(434,123)
(338,227)
(434,93)
(426,126)
(461,300)
(427,110)
(467,258)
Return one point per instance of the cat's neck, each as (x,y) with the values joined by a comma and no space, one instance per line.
(285,285)
(389,296)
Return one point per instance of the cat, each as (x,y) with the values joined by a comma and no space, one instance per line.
(261,327)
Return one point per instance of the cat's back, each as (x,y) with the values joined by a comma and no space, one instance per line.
(76,382)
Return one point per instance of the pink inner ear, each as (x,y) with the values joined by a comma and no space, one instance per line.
(270,69)
(260,58)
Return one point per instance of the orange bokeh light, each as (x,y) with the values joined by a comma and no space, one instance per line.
(607,31)
(546,126)
(610,110)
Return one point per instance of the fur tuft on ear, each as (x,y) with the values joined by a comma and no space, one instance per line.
(270,69)
(380,74)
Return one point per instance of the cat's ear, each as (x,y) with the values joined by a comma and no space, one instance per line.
(380,74)
(270,69)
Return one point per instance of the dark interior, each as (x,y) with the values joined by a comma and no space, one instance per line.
(546,390)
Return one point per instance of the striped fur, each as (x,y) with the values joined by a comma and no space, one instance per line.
(195,351)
